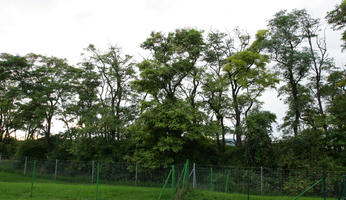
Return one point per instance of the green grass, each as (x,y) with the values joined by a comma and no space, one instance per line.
(17,187)
(207,195)
(50,191)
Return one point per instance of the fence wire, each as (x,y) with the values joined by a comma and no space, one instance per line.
(251,181)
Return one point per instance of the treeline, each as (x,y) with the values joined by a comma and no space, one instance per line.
(180,102)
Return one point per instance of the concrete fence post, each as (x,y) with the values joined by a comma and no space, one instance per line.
(92,171)
(25,163)
(56,169)
(261,180)
(194,181)
(136,177)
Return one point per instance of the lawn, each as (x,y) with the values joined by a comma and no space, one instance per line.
(208,195)
(17,187)
(57,191)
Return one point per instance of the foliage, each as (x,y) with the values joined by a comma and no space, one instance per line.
(337,18)
(186,99)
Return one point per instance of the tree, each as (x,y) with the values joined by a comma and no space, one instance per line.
(335,94)
(47,87)
(320,66)
(167,119)
(258,144)
(115,72)
(215,83)
(337,18)
(292,62)
(13,69)
(248,77)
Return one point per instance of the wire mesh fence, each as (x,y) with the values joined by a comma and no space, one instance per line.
(248,181)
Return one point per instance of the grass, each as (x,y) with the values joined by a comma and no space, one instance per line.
(17,187)
(50,191)
(208,195)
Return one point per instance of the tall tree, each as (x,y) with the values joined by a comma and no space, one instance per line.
(292,62)
(248,77)
(13,69)
(219,46)
(115,71)
(168,119)
(47,87)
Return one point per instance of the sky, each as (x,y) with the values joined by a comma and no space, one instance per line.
(63,28)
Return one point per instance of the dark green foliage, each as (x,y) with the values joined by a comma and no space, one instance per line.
(35,149)
(258,149)
(337,18)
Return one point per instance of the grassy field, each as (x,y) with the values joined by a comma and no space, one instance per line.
(207,195)
(13,186)
(17,187)
(50,191)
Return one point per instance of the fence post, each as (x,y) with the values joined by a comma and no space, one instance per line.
(0,158)
(194,184)
(173,180)
(25,163)
(164,185)
(227,180)
(248,185)
(136,174)
(33,178)
(211,179)
(344,187)
(324,185)
(261,180)
(92,171)
(97,180)
(186,173)
(56,169)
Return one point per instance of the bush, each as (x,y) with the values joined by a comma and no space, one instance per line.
(35,149)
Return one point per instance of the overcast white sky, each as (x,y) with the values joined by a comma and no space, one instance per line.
(64,27)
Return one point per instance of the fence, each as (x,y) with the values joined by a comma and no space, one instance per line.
(248,181)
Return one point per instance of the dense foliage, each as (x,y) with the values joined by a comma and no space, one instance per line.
(196,96)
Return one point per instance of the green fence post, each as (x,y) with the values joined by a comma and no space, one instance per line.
(164,186)
(248,185)
(227,180)
(186,167)
(211,179)
(344,187)
(173,180)
(324,185)
(309,188)
(97,180)
(33,178)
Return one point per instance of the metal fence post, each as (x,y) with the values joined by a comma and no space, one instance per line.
(173,186)
(56,168)
(248,185)
(97,180)
(261,180)
(92,171)
(344,187)
(25,163)
(33,178)
(324,185)
(227,180)
(211,179)
(136,174)
(194,183)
